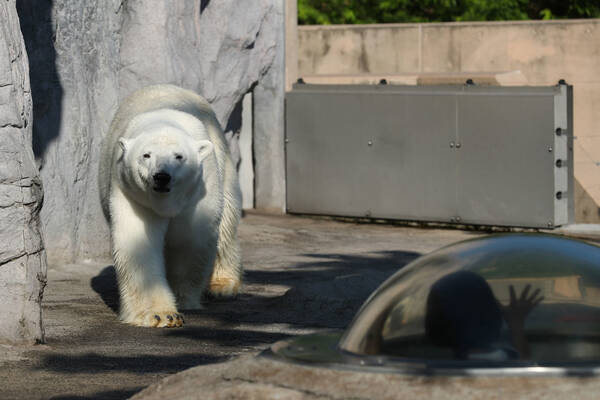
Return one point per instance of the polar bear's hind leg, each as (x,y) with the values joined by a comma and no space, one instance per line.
(226,279)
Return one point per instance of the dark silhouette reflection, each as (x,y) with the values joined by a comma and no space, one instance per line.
(516,313)
(463,314)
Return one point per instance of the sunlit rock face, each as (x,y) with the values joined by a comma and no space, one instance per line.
(87,56)
(22,257)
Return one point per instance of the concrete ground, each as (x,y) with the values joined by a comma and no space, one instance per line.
(302,275)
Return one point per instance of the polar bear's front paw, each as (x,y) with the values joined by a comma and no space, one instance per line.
(223,287)
(160,319)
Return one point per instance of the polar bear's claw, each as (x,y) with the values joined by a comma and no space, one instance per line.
(166,319)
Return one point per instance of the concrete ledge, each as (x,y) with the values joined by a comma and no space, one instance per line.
(448,24)
(580,231)
(511,78)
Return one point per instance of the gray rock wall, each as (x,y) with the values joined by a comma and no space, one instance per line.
(22,256)
(73,49)
(86,56)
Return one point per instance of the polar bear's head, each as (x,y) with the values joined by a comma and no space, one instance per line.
(163,165)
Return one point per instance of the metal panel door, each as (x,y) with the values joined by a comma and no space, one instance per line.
(431,153)
(355,155)
(506,161)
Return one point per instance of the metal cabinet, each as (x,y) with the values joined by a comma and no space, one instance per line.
(462,154)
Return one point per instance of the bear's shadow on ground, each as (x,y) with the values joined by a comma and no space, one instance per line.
(105,284)
(324,293)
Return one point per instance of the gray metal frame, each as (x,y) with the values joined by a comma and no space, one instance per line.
(457,154)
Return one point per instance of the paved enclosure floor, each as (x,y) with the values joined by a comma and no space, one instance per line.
(302,275)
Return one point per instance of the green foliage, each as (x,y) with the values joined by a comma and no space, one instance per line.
(496,10)
(387,11)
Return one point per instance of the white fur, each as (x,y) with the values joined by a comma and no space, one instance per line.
(169,246)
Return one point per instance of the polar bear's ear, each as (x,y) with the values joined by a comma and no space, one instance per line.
(204,148)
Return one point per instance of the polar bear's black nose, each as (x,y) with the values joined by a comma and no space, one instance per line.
(161,178)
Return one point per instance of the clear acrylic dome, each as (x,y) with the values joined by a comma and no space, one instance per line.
(521,299)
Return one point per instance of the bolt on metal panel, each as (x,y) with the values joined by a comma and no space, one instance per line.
(463,154)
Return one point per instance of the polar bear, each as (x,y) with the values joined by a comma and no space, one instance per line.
(170,193)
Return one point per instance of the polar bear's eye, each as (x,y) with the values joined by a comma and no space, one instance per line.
(147,155)
(178,157)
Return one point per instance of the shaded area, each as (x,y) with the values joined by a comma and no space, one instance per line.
(324,293)
(203,5)
(46,90)
(105,395)
(105,284)
(234,123)
(233,128)
(328,292)
(138,364)
(329,266)
(228,337)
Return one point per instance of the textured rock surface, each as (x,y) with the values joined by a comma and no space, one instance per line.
(22,257)
(73,51)
(87,56)
(262,378)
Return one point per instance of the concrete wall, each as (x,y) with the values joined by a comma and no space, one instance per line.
(543,52)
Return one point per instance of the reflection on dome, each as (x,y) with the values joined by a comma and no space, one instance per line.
(507,298)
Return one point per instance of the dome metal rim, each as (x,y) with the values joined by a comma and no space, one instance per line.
(345,360)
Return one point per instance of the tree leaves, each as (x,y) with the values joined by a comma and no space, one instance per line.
(322,12)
